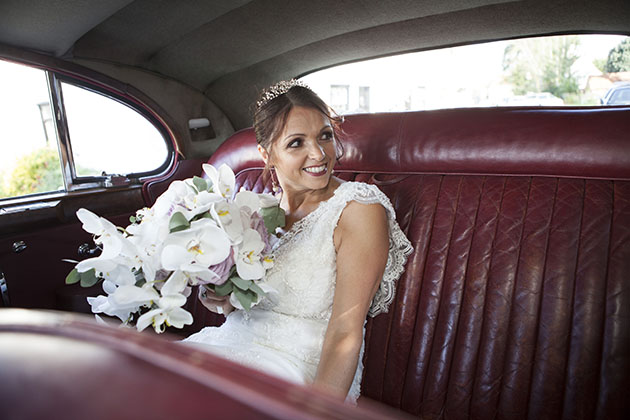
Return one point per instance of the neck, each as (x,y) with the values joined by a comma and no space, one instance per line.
(300,203)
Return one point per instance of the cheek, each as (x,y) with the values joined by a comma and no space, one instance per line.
(330,150)
(289,162)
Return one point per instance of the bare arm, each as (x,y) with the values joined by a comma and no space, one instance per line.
(362,243)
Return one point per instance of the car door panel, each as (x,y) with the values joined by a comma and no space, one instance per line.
(35,271)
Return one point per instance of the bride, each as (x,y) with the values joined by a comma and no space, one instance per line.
(337,258)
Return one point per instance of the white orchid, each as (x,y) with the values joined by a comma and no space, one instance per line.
(248,261)
(183,198)
(228,215)
(223,180)
(247,201)
(169,310)
(268,200)
(202,245)
(105,233)
(197,233)
(109,269)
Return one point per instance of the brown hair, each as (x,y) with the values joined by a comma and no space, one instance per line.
(271,117)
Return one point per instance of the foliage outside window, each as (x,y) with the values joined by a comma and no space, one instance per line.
(572,70)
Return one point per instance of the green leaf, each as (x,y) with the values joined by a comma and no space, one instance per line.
(223,289)
(88,278)
(240,283)
(245,297)
(273,217)
(204,215)
(73,277)
(255,288)
(200,184)
(178,222)
(132,219)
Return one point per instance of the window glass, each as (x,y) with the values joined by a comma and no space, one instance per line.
(545,71)
(108,136)
(29,157)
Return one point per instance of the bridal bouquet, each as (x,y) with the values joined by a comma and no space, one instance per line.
(195,234)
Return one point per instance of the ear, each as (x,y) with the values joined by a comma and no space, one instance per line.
(263,153)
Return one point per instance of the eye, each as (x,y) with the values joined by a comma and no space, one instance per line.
(295,143)
(327,135)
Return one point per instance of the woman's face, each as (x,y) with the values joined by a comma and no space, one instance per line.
(304,153)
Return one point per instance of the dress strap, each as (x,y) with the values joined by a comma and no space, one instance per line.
(399,246)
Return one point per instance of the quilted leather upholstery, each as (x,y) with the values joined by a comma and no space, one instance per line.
(516,301)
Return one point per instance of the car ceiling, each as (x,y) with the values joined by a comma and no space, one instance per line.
(229,49)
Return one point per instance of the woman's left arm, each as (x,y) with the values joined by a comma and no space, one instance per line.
(362,243)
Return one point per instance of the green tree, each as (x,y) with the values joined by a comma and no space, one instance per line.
(558,78)
(619,58)
(542,65)
(36,172)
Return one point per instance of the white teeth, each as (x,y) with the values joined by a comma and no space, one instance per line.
(316,170)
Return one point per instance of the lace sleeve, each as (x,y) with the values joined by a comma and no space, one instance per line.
(399,246)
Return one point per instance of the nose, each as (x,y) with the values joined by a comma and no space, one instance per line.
(316,151)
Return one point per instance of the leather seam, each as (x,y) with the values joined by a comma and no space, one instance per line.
(485,300)
(540,299)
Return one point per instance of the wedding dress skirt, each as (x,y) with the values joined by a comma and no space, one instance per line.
(284,334)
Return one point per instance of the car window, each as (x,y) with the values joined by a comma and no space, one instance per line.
(572,70)
(108,136)
(620,96)
(29,157)
(101,136)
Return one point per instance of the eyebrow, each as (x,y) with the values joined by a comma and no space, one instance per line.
(304,135)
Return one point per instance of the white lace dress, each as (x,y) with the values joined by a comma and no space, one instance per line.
(283,335)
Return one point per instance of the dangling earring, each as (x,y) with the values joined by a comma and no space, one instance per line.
(274,184)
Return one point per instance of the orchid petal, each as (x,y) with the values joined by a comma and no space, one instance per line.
(178,317)
(91,222)
(174,285)
(247,199)
(129,294)
(171,301)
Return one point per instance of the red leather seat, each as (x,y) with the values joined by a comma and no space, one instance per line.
(56,365)
(516,301)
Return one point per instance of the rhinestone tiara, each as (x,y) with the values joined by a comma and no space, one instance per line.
(278,89)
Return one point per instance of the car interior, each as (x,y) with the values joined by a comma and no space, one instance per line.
(514,304)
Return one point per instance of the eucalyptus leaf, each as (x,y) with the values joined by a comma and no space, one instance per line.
(256,288)
(178,222)
(200,183)
(240,283)
(88,278)
(204,215)
(73,277)
(273,217)
(245,297)
(223,289)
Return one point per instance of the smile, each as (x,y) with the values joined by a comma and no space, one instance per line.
(316,170)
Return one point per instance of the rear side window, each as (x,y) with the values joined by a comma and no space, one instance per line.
(58,135)
(571,70)
(29,155)
(109,137)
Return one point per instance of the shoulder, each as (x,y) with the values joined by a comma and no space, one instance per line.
(353,190)
(363,214)
(348,194)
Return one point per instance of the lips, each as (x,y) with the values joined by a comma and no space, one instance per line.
(316,170)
